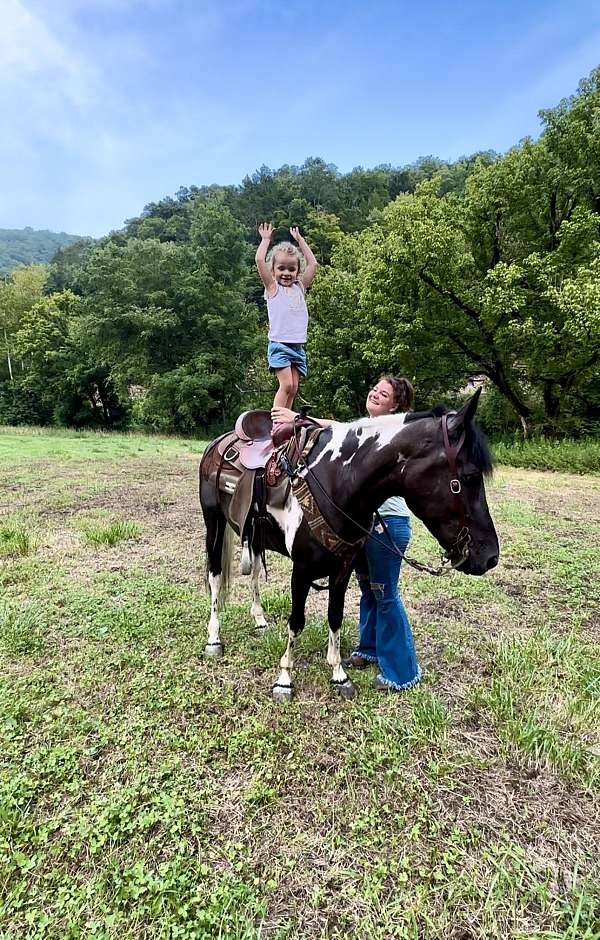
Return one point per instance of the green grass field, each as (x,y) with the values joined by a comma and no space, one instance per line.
(146,792)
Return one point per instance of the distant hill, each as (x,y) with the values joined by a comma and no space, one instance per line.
(29,246)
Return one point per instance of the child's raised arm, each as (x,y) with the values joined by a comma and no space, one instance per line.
(265,230)
(311,261)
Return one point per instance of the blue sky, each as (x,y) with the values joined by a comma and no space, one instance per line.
(106,105)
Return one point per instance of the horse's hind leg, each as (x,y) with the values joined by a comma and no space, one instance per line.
(256,609)
(215,535)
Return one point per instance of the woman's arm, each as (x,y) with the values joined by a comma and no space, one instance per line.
(280,415)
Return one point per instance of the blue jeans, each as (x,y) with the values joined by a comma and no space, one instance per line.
(385,632)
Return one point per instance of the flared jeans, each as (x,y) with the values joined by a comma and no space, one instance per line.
(385,634)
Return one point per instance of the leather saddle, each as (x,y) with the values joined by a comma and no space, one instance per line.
(251,474)
(253,429)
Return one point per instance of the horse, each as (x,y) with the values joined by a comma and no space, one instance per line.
(436,462)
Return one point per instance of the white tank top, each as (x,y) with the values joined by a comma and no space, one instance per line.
(288,314)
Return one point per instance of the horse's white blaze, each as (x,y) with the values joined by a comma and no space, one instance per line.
(288,519)
(382,430)
(256,609)
(214,581)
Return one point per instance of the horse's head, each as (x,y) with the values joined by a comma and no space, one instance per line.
(443,482)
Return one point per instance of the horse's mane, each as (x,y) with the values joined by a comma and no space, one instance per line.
(478,448)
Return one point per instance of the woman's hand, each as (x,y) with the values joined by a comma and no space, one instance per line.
(280,415)
(265,230)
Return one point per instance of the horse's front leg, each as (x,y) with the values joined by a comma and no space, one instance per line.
(283,690)
(339,679)
(257,609)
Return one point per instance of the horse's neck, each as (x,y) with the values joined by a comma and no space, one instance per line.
(364,454)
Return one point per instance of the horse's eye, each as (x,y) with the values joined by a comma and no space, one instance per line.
(472,479)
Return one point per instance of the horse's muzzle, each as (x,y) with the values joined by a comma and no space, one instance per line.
(473,565)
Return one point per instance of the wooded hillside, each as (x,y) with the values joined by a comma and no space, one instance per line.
(22,246)
(487,266)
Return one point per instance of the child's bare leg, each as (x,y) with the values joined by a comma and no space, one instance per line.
(285,394)
(295,382)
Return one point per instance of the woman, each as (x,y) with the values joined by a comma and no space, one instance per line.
(385,635)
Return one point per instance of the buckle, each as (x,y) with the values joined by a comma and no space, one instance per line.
(455,487)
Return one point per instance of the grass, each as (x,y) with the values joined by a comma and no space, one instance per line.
(19,630)
(15,540)
(147,792)
(23,444)
(111,533)
(541,453)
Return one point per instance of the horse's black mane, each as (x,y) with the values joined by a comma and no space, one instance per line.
(476,442)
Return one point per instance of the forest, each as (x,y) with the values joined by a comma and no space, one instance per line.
(23,246)
(486,269)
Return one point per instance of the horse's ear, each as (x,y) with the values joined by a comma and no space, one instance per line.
(464,417)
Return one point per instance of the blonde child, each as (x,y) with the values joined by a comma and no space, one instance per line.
(285,285)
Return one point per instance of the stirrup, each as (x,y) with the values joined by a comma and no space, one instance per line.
(246,563)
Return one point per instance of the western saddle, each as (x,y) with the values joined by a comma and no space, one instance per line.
(257,463)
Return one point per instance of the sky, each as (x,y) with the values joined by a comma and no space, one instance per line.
(106,105)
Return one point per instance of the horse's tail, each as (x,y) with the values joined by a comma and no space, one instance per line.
(226,564)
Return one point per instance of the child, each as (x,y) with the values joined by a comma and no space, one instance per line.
(285,285)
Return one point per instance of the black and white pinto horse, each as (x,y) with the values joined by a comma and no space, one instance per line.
(437,463)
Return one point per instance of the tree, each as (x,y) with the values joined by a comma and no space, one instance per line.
(17,294)
(62,377)
(171,317)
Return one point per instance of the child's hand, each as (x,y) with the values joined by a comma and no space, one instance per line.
(265,230)
(295,233)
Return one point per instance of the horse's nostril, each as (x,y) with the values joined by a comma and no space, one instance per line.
(492,562)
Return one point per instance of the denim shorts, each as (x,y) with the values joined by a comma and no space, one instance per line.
(282,355)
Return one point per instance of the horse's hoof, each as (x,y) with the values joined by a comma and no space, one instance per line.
(346,689)
(283,693)
(214,650)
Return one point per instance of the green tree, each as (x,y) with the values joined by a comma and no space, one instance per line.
(63,379)
(171,318)
(18,293)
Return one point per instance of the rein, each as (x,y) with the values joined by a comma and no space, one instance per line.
(463,539)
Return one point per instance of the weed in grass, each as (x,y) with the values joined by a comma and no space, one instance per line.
(19,630)
(277,604)
(429,724)
(15,540)
(109,533)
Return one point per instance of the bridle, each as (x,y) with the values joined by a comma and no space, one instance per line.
(458,552)
(463,539)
